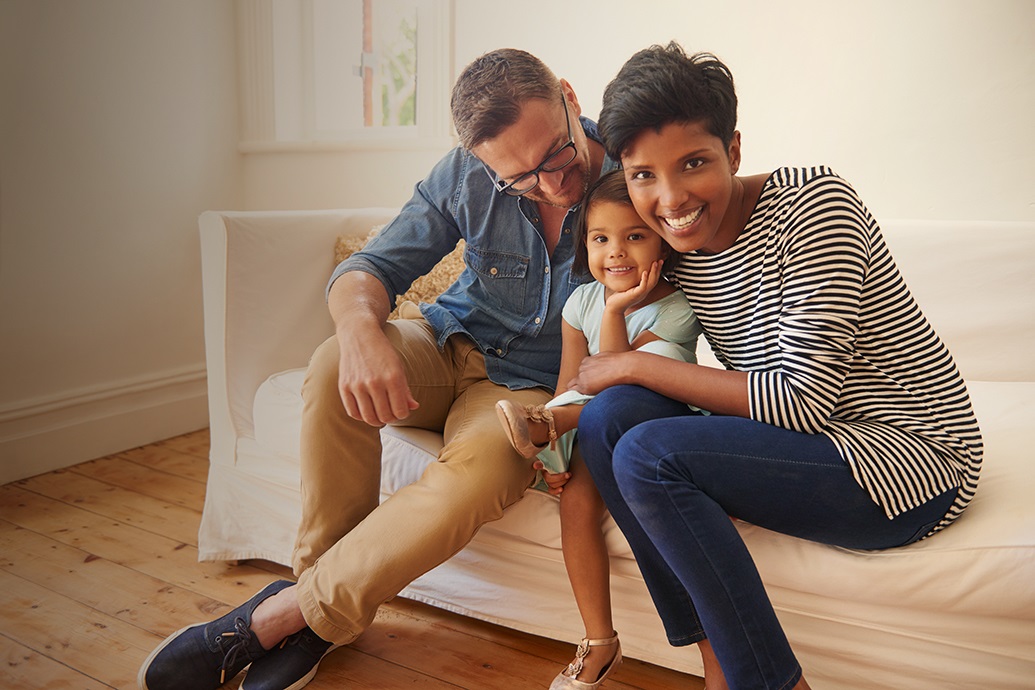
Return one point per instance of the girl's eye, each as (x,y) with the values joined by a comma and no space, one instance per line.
(636,236)
(599,239)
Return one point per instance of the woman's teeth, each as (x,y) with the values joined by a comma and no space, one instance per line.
(684,221)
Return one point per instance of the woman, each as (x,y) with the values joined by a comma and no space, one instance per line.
(840,416)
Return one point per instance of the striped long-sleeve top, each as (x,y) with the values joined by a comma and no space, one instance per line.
(810,302)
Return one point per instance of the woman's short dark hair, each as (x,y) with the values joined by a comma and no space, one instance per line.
(610,187)
(661,85)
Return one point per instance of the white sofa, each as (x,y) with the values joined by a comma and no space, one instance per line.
(954,611)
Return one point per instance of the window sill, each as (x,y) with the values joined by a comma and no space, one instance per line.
(373,144)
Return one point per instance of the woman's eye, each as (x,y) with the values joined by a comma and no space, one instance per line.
(641,175)
(694,163)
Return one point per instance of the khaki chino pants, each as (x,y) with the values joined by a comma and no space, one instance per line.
(353,554)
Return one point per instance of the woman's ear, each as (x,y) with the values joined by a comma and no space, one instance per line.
(734,152)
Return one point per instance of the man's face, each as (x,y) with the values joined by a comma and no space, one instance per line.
(540,131)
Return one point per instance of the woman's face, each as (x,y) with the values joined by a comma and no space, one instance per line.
(619,246)
(681,180)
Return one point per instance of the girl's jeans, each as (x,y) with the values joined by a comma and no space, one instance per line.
(672,478)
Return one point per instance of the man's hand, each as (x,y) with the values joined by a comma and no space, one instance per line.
(372,381)
(371,376)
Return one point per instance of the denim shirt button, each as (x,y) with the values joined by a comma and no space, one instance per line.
(547,269)
(538,320)
(499,352)
(493,271)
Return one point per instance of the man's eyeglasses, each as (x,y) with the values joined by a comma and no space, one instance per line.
(526,182)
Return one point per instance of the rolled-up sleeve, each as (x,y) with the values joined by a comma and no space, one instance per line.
(414,241)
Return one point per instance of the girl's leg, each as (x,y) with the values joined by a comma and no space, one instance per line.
(586,560)
(565,419)
(603,422)
(683,478)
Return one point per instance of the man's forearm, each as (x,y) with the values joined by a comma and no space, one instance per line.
(357,301)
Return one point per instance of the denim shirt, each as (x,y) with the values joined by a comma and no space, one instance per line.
(509,297)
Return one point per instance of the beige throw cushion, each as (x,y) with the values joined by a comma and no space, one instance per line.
(428,287)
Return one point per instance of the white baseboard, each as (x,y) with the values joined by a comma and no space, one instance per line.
(45,434)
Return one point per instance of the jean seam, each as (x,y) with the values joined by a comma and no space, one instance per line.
(767,458)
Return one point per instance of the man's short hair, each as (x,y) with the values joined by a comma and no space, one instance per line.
(490,92)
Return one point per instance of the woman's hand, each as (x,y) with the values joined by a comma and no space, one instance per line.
(603,371)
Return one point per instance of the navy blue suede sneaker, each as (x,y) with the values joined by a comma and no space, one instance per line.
(290,665)
(206,655)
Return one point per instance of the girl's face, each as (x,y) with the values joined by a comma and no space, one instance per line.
(681,180)
(619,246)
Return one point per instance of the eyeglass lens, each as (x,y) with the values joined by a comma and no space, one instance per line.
(557,161)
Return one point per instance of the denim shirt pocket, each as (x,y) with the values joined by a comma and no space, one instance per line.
(502,276)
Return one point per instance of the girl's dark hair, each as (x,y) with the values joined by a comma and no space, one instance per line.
(661,85)
(610,187)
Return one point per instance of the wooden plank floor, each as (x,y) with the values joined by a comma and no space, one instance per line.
(98,563)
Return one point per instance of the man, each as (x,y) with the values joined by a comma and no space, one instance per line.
(525,159)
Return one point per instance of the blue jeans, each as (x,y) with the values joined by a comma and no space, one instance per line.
(672,478)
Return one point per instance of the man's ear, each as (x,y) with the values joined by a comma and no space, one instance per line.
(734,152)
(573,100)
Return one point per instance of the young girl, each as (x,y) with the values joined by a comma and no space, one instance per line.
(628,307)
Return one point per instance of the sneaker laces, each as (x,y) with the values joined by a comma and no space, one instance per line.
(308,640)
(233,644)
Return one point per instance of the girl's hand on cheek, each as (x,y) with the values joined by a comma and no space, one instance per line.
(621,301)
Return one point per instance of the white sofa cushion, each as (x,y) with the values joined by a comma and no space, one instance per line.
(989,544)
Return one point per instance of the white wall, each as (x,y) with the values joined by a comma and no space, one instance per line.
(118,126)
(926,106)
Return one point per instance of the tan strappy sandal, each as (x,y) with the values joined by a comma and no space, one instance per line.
(515,419)
(566,679)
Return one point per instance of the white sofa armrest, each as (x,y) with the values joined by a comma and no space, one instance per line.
(263,280)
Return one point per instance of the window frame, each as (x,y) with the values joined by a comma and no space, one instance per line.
(277,83)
